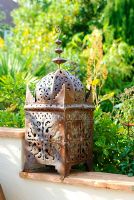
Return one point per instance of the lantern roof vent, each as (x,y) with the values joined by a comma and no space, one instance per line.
(50,85)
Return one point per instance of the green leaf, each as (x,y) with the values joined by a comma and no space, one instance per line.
(107,96)
(130,174)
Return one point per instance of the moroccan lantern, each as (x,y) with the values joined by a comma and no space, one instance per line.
(59,122)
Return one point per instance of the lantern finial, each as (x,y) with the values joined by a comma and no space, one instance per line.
(58,50)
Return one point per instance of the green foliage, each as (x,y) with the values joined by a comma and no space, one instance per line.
(126,156)
(113,148)
(10,63)
(13,81)
(118,17)
(113,144)
(12,100)
(34,34)
(105,138)
(35,21)
(120,60)
(124,110)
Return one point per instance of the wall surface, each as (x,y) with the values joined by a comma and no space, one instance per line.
(16,188)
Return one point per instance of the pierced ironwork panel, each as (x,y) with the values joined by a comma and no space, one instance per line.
(79,136)
(44,136)
(59,123)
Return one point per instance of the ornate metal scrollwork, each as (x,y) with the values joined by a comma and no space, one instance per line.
(59,123)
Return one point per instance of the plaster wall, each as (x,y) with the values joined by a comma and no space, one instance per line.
(16,188)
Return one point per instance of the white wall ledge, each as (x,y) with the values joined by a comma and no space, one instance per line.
(89,179)
(12,132)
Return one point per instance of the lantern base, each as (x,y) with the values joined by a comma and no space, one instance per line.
(63,170)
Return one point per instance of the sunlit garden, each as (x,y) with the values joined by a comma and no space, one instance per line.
(98,42)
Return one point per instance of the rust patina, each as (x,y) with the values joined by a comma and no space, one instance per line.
(59,122)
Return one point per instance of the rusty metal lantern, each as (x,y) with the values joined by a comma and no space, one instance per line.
(59,122)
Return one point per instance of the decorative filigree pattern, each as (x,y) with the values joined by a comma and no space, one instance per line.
(44,130)
(77,151)
(78,133)
(49,86)
(58,139)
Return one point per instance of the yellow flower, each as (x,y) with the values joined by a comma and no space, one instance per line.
(95,82)
(1,42)
(25,33)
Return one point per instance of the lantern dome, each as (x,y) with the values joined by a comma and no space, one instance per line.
(50,85)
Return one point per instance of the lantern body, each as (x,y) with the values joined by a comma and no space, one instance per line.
(59,124)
